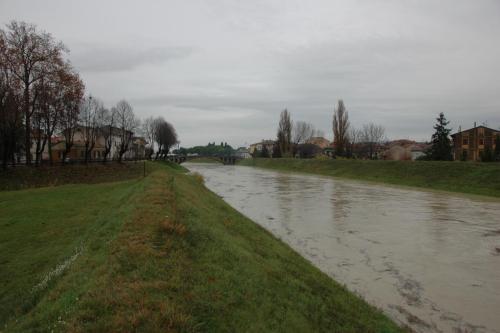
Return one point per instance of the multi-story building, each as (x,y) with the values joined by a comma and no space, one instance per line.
(471,144)
(136,147)
(257,147)
(319,141)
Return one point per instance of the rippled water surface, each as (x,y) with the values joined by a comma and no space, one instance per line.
(428,259)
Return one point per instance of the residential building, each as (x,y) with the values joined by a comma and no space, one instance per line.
(136,147)
(243,152)
(269,144)
(401,150)
(471,144)
(418,150)
(319,141)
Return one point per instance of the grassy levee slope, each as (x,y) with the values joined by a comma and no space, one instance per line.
(464,177)
(23,177)
(51,240)
(158,254)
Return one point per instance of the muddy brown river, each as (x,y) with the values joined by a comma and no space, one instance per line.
(428,259)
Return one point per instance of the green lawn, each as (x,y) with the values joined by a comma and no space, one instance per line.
(161,253)
(465,177)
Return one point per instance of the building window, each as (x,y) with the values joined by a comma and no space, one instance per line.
(465,140)
(481,142)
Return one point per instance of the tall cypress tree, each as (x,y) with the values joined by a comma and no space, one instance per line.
(285,133)
(441,144)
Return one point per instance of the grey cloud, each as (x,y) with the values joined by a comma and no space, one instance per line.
(111,59)
(397,63)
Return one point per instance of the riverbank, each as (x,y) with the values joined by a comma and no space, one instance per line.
(470,178)
(160,253)
(23,177)
(205,160)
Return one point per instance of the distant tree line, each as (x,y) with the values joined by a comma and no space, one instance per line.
(293,137)
(41,94)
(211,149)
(364,142)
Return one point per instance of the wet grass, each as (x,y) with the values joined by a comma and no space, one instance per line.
(158,254)
(22,177)
(41,230)
(463,177)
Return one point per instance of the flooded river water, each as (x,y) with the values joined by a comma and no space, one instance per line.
(430,260)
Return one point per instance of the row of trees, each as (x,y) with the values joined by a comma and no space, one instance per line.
(361,142)
(115,126)
(39,90)
(161,133)
(41,94)
(348,140)
(211,149)
(291,135)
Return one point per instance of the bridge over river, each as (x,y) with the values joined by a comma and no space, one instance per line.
(224,159)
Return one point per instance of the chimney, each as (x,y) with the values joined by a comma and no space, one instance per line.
(474,124)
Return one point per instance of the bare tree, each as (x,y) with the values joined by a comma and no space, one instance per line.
(319,133)
(30,55)
(285,133)
(52,91)
(156,126)
(89,112)
(148,130)
(106,120)
(11,130)
(372,136)
(354,137)
(340,128)
(302,132)
(44,117)
(165,137)
(73,94)
(66,90)
(126,122)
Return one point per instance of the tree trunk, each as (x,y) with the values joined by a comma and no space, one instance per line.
(50,152)
(5,156)
(27,119)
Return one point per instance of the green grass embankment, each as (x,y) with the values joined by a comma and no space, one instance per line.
(161,253)
(464,177)
(22,177)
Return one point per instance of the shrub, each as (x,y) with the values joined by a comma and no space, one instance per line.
(198,177)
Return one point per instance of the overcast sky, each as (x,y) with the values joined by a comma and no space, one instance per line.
(223,70)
